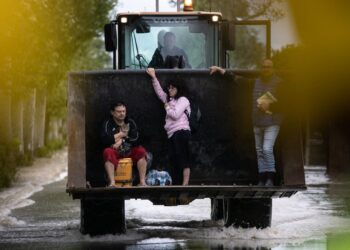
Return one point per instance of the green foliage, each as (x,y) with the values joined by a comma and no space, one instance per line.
(91,56)
(7,164)
(56,104)
(50,147)
(40,42)
(42,39)
(56,144)
(250,47)
(246,9)
(25,159)
(43,152)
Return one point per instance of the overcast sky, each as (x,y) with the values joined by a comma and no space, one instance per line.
(283,31)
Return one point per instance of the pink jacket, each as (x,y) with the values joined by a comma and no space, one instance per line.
(175,118)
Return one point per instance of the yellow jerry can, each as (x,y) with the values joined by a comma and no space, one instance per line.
(123,174)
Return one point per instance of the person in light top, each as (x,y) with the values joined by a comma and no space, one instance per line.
(176,125)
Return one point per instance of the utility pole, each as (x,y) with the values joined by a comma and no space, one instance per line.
(178,5)
(157,5)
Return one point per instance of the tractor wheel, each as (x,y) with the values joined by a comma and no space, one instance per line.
(216,209)
(247,213)
(102,216)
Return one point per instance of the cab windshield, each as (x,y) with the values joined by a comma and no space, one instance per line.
(154,41)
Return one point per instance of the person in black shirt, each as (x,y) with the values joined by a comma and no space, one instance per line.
(120,140)
(161,55)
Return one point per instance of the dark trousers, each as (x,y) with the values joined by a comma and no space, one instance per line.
(179,154)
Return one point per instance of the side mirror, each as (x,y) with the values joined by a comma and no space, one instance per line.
(228,35)
(110,36)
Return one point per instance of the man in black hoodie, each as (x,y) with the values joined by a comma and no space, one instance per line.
(120,140)
(166,53)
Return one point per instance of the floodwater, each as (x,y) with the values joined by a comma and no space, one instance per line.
(36,213)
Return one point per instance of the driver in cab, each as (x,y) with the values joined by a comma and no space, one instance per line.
(164,54)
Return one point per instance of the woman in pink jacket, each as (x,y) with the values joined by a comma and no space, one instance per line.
(176,125)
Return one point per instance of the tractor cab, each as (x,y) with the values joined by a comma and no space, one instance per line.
(204,37)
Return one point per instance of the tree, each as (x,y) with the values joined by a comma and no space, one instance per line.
(41,40)
(245,9)
(250,48)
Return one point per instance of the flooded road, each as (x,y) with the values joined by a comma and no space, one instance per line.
(37,214)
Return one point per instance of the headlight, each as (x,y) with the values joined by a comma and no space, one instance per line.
(215,18)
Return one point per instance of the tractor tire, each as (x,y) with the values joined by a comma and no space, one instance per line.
(102,216)
(247,213)
(228,211)
(216,209)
